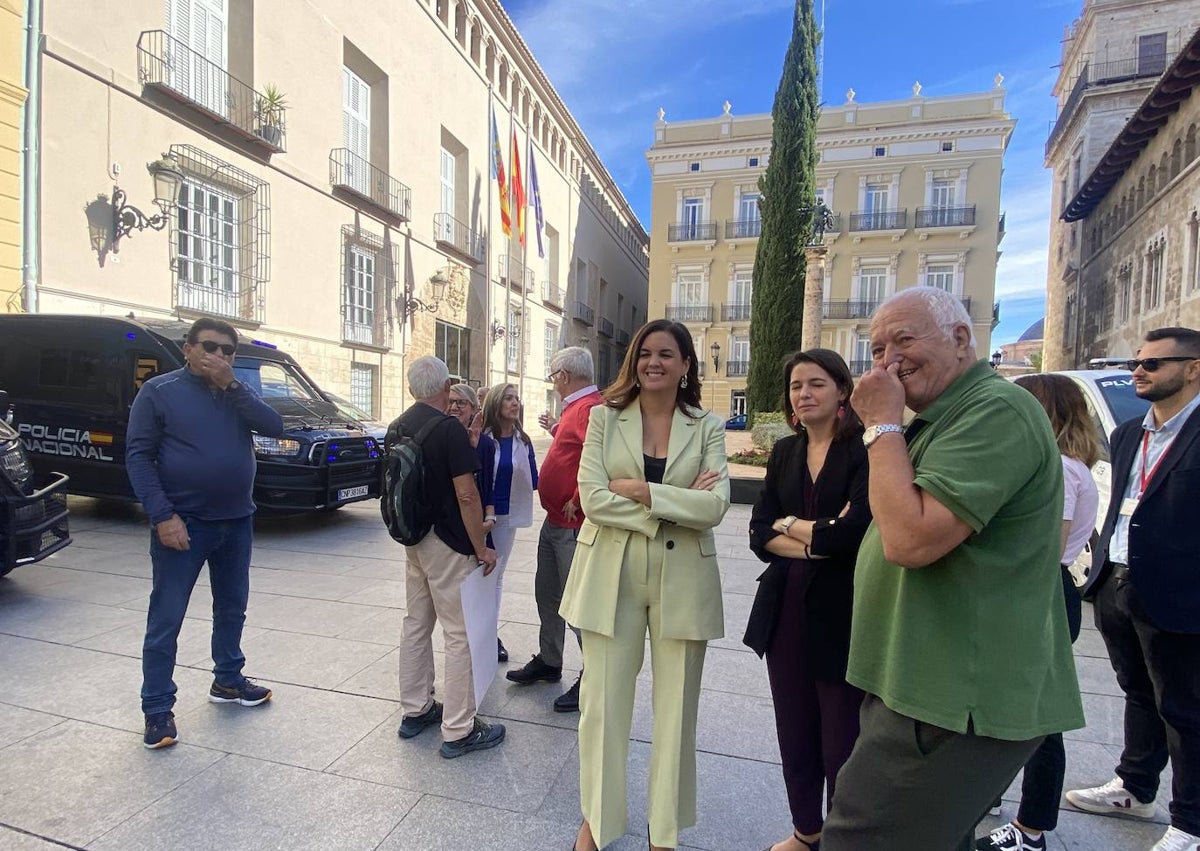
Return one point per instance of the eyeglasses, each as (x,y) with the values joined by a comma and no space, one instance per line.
(1152,364)
(554,375)
(459,403)
(209,346)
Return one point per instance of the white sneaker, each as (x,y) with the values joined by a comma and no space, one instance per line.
(1110,799)
(1176,840)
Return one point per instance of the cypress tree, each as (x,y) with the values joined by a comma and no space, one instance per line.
(786,196)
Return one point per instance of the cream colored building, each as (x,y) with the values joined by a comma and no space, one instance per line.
(1138,217)
(12,98)
(326,224)
(1113,54)
(915,188)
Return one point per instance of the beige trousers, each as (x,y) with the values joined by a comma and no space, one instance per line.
(433,578)
(611,666)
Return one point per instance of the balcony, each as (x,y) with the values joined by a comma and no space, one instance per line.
(452,235)
(349,171)
(849,309)
(606,328)
(622,337)
(690,312)
(692,232)
(584,314)
(946,217)
(879,220)
(735,312)
(237,300)
(743,229)
(860,367)
(364,331)
(552,295)
(168,65)
(515,274)
(735,368)
(1000,230)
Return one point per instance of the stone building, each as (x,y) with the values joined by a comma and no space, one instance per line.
(12,98)
(1138,213)
(915,188)
(337,198)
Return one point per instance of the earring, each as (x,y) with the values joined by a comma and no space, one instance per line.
(683,382)
(795,419)
(841,413)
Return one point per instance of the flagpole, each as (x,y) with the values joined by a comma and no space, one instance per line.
(525,318)
(490,121)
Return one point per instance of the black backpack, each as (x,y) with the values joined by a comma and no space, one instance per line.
(406,512)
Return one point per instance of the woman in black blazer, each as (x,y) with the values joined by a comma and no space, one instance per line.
(807,524)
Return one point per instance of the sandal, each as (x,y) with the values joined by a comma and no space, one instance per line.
(815,845)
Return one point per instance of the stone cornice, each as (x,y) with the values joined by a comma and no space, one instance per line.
(12,93)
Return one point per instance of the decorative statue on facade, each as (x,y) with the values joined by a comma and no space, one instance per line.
(822,221)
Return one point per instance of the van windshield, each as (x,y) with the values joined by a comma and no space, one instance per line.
(274,380)
(1121,399)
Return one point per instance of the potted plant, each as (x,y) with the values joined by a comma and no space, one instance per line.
(269,109)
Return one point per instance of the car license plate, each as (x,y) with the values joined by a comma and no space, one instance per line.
(351,493)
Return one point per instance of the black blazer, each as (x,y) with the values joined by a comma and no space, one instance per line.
(830,593)
(1164,535)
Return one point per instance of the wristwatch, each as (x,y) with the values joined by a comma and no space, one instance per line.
(233,386)
(787,523)
(872,433)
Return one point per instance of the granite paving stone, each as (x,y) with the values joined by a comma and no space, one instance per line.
(310,616)
(17,723)
(311,660)
(16,840)
(56,619)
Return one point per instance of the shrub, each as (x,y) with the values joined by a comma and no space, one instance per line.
(769,426)
(751,456)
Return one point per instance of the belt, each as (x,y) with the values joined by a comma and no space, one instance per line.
(1119,571)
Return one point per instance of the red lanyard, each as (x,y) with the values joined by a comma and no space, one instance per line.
(1146,477)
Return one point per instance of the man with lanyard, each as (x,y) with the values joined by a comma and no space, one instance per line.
(1146,583)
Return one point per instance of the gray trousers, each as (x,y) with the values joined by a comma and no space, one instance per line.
(911,786)
(556,549)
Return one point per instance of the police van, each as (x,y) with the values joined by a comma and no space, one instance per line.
(33,512)
(71,381)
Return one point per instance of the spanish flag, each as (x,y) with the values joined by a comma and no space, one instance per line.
(518,189)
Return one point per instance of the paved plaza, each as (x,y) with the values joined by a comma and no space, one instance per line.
(321,766)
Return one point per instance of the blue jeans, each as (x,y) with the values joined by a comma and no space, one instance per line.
(225,545)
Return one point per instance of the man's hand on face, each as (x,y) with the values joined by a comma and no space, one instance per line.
(173,533)
(217,370)
(878,397)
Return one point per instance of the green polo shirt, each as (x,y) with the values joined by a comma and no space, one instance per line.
(979,637)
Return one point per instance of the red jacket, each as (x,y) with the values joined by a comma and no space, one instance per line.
(558,475)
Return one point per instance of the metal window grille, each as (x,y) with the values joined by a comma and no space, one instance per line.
(362,387)
(369,275)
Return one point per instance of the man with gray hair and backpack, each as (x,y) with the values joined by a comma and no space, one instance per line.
(447,543)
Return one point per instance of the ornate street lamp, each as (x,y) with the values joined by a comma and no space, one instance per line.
(126,218)
(408,303)
(715,349)
(997,356)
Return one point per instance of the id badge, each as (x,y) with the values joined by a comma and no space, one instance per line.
(1128,505)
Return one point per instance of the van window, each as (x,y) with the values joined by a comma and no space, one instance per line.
(274,380)
(79,368)
(144,367)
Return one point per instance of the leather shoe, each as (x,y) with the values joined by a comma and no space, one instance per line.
(568,701)
(535,670)
(501,651)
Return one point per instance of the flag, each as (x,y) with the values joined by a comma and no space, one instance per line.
(498,174)
(518,190)
(536,200)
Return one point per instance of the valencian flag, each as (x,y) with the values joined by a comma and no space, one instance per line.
(498,174)
(518,190)
(538,224)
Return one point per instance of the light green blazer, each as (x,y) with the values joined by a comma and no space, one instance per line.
(680,518)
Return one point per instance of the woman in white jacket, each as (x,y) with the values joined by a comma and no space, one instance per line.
(514,479)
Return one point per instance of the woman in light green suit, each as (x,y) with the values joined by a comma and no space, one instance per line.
(653,483)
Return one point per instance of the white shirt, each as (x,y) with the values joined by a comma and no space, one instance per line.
(1160,441)
(1080,501)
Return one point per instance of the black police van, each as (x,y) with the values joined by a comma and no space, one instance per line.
(71,381)
(33,512)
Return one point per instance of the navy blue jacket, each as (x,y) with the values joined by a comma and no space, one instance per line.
(189,450)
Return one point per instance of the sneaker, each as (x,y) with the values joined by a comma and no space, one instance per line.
(1010,838)
(411,725)
(568,701)
(501,653)
(1110,799)
(247,693)
(481,738)
(1176,840)
(160,730)
(535,669)
(994,811)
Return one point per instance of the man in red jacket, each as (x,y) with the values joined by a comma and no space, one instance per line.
(571,373)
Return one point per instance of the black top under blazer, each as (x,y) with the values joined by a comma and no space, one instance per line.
(830,592)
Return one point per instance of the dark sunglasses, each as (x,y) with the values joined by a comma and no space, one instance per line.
(1152,364)
(209,346)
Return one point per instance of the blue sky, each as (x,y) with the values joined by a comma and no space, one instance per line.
(615,62)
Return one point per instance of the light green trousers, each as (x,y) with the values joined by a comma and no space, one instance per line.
(611,666)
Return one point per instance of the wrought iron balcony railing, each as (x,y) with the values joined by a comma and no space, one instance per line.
(735,312)
(238,301)
(849,308)
(349,171)
(169,65)
(375,333)
(606,327)
(879,220)
(450,233)
(515,274)
(692,232)
(585,314)
(945,217)
(735,368)
(552,295)
(743,228)
(690,312)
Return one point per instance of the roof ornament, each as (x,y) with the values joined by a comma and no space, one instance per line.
(850,93)
(917,89)
(999,81)
(726,106)
(662,114)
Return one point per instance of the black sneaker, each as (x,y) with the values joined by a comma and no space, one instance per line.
(160,730)
(501,652)
(247,693)
(535,669)
(568,701)
(1009,837)
(411,725)
(481,738)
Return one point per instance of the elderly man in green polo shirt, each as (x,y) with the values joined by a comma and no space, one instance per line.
(959,634)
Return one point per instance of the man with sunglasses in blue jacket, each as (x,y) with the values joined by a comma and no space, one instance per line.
(190,458)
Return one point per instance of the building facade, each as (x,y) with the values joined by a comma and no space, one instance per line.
(915,188)
(337,194)
(1112,56)
(12,99)
(1138,215)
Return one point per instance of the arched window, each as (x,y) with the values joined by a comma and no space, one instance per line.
(476,41)
(502,81)
(525,107)
(1152,182)
(1139,199)
(515,89)
(489,61)
(1176,158)
(1164,172)
(537,121)
(1189,144)
(443,11)
(460,23)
